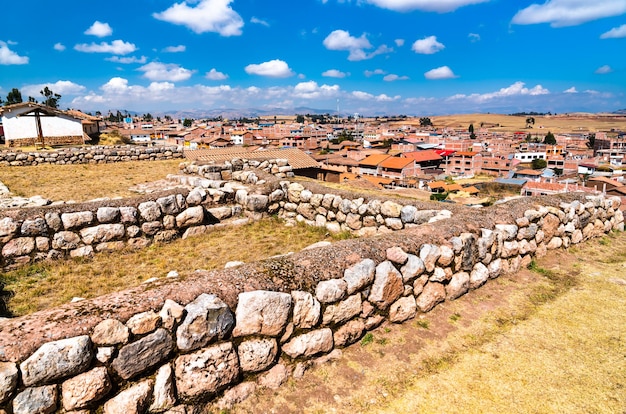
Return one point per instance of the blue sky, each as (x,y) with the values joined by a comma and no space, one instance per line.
(413,57)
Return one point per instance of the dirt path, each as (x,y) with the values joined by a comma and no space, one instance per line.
(552,339)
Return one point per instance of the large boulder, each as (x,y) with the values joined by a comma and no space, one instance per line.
(262,313)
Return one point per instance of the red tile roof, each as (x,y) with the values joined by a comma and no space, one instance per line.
(423,156)
(374,159)
(396,163)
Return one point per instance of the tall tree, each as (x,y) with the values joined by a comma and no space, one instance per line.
(591,140)
(51,99)
(549,139)
(187,122)
(14,97)
(471,131)
(530,120)
(425,121)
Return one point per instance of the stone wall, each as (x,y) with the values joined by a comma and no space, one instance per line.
(90,155)
(253,326)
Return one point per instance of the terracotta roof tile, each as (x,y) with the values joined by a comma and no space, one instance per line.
(296,158)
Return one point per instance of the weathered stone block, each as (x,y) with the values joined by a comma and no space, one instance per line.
(432,294)
(359,276)
(143,354)
(81,390)
(329,291)
(262,313)
(133,400)
(403,309)
(306,310)
(36,400)
(349,333)
(8,380)
(110,332)
(75,220)
(387,286)
(207,318)
(257,354)
(310,343)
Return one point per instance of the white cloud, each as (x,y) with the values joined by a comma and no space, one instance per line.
(59,47)
(441,6)
(370,73)
(516,89)
(560,13)
(571,90)
(117,47)
(128,60)
(474,37)
(175,49)
(393,77)
(362,95)
(385,98)
(334,73)
(615,33)
(9,57)
(207,16)
(427,46)
(342,40)
(99,29)
(62,87)
(273,69)
(311,90)
(215,75)
(157,71)
(443,72)
(256,20)
(399,42)
(603,70)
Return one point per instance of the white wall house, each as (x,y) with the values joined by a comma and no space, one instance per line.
(57,127)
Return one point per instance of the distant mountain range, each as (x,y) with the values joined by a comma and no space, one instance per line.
(232,113)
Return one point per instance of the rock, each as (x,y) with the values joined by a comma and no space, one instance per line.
(171,314)
(236,395)
(397,255)
(317,245)
(387,286)
(163,396)
(359,276)
(110,332)
(403,309)
(446,256)
(262,313)
(104,353)
(391,209)
(257,354)
(310,343)
(306,310)
(8,228)
(479,275)
(257,202)
(65,240)
(407,214)
(274,377)
(84,251)
(108,214)
(349,333)
(20,246)
(143,323)
(207,318)
(133,400)
(342,311)
(8,380)
(429,253)
(75,220)
(83,389)
(441,274)
(190,217)
(458,286)
(220,213)
(334,355)
(57,360)
(149,211)
(413,268)
(432,294)
(34,227)
(143,354)
(168,204)
(102,233)
(128,215)
(329,291)
(53,220)
(37,400)
(205,372)
(293,192)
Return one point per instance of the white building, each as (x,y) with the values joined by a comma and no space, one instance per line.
(28,123)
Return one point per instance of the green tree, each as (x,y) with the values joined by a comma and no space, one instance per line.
(31,99)
(471,131)
(425,122)
(14,97)
(51,99)
(591,140)
(539,164)
(187,122)
(300,119)
(530,120)
(549,139)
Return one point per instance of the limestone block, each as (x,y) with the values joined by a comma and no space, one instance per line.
(274,378)
(349,333)
(53,220)
(207,318)
(342,311)
(8,380)
(163,395)
(36,400)
(207,371)
(77,219)
(108,214)
(236,395)
(262,313)
(34,227)
(190,217)
(432,294)
(329,291)
(257,354)
(397,255)
(65,240)
(57,360)
(413,267)
(110,332)
(143,323)
(359,275)
(403,309)
(133,400)
(128,215)
(169,204)
(479,275)
(306,310)
(446,256)
(21,246)
(391,209)
(310,343)
(102,233)
(458,286)
(429,253)
(171,314)
(83,389)
(387,286)
(407,214)
(149,211)
(143,354)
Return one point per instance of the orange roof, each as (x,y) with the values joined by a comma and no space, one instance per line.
(374,159)
(422,156)
(471,189)
(396,163)
(465,154)
(437,184)
(529,172)
(454,187)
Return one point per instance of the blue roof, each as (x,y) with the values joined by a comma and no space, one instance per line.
(511,181)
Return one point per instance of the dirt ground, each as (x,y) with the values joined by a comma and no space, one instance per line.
(379,370)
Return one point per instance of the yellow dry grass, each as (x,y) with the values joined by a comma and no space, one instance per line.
(84,181)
